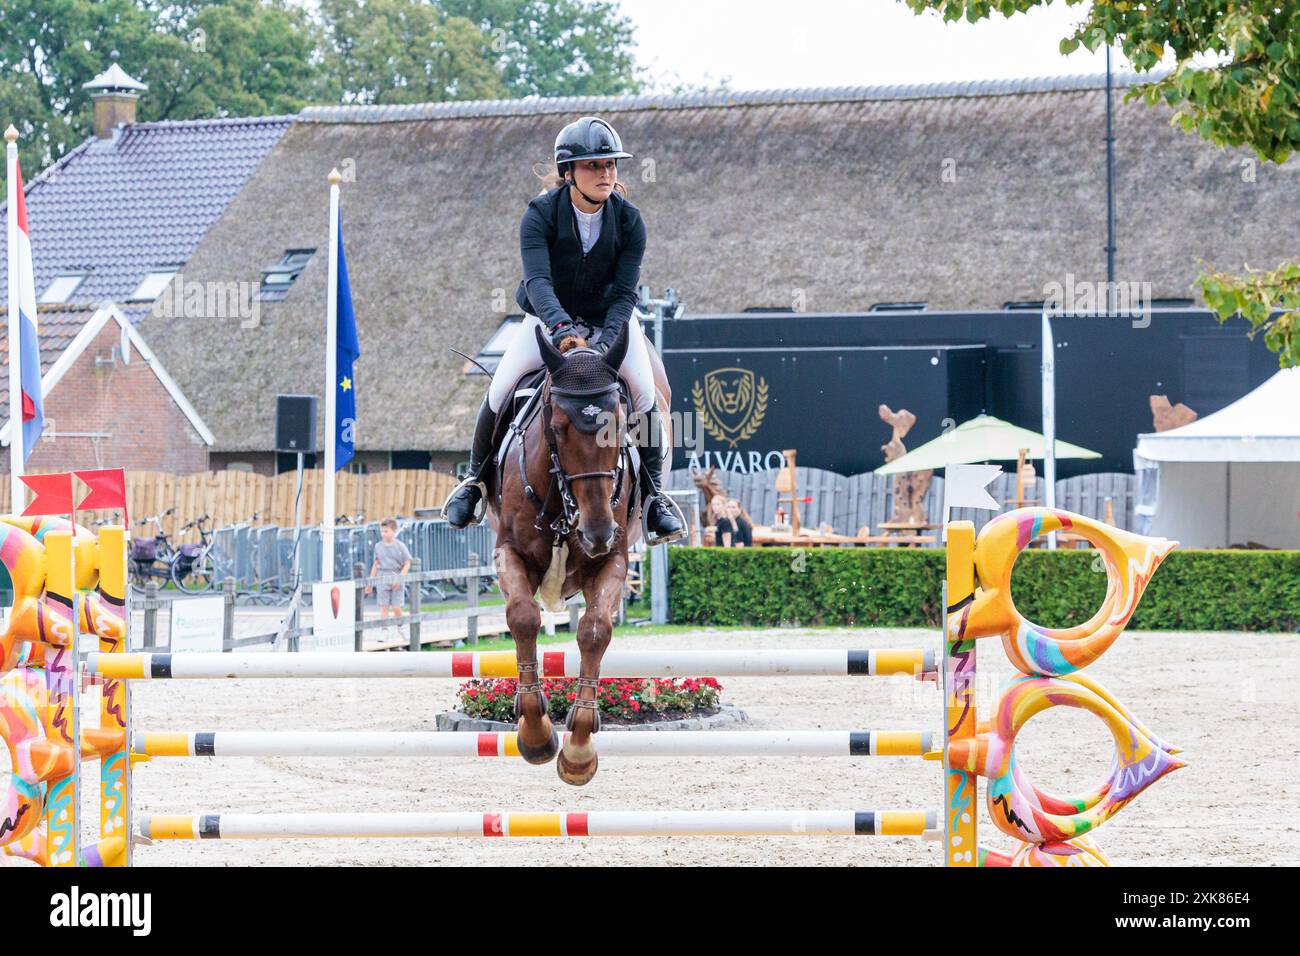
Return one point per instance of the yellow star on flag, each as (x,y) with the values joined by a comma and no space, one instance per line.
(346,383)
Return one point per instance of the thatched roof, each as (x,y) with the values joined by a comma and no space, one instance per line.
(835,196)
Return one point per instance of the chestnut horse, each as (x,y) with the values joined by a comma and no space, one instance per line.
(565,508)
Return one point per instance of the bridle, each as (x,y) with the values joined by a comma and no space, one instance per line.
(564,522)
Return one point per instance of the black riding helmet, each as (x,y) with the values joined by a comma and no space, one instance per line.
(587,138)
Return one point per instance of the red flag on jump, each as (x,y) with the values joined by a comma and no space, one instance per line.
(51,494)
(107,489)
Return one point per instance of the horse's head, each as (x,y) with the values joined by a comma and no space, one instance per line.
(588,425)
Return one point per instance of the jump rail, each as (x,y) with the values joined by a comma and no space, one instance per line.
(467,664)
(596,823)
(704,743)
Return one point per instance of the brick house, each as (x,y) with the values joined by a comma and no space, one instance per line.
(109,403)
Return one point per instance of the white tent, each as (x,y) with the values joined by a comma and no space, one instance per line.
(1228,478)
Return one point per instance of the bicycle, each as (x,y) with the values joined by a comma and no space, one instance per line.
(196,568)
(151,557)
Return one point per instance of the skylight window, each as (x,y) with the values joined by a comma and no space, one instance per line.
(491,353)
(152,285)
(279,276)
(502,336)
(61,288)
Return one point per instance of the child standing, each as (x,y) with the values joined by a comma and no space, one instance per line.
(391,559)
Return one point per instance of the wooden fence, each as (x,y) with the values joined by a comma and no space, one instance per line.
(232,497)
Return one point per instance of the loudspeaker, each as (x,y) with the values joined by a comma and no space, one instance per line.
(295,423)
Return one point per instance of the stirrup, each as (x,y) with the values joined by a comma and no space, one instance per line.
(481,509)
(652,539)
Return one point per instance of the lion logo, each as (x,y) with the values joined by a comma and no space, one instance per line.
(730,404)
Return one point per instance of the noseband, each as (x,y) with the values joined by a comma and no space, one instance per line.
(567,519)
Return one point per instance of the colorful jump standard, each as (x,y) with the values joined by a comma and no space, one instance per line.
(961,804)
(1049,830)
(48,559)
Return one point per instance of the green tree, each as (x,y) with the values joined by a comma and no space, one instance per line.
(213,58)
(555,47)
(405,51)
(1250,97)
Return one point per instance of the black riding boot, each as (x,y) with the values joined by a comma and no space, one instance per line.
(461,507)
(661,517)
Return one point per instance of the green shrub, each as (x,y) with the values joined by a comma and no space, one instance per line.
(896,587)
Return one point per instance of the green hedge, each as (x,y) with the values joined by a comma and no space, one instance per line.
(895,587)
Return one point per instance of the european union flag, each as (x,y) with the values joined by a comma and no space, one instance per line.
(348,351)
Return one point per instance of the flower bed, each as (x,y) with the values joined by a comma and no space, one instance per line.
(622,700)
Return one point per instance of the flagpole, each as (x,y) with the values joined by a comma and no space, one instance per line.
(1049,420)
(331,386)
(15,363)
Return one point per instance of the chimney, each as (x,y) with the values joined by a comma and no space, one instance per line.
(114,94)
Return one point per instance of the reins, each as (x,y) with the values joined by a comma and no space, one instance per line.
(567,518)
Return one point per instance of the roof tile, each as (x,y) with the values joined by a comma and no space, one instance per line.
(120,207)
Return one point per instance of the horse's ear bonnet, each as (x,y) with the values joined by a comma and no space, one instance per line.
(583,382)
(586,388)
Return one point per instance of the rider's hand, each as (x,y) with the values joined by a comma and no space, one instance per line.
(562,331)
(570,330)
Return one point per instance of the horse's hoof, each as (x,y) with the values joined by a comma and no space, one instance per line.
(542,753)
(577,774)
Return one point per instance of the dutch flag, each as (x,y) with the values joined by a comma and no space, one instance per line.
(23,298)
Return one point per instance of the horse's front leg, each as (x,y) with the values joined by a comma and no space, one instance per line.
(577,762)
(537,739)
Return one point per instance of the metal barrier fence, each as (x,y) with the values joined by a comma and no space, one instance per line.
(848,503)
(414,628)
(262,557)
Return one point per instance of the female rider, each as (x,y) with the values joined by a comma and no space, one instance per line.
(581,242)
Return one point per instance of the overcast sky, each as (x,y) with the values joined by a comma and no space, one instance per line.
(766,44)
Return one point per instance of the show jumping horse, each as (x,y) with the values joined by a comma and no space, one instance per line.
(565,508)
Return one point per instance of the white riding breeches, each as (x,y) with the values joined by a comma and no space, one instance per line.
(522,356)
